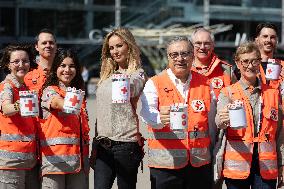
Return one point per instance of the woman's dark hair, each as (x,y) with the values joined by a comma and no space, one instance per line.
(60,55)
(5,60)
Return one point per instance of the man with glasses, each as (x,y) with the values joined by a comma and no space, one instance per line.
(178,157)
(207,63)
(219,73)
(46,47)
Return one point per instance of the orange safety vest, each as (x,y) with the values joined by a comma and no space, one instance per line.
(240,142)
(172,149)
(272,83)
(17,137)
(64,141)
(35,79)
(219,74)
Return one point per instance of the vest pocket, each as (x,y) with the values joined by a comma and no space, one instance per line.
(236,134)
(167,157)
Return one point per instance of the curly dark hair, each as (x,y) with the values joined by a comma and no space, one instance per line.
(5,60)
(60,55)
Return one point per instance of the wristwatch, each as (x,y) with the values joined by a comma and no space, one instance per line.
(16,106)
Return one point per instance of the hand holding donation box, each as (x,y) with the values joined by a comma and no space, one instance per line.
(120,88)
(29,103)
(273,69)
(178,116)
(237,115)
(73,100)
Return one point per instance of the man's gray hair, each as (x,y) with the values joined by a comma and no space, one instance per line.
(178,39)
(204,30)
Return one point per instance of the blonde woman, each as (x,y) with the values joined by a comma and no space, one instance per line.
(119,149)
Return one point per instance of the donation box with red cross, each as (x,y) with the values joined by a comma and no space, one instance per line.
(178,116)
(120,88)
(29,103)
(273,69)
(73,100)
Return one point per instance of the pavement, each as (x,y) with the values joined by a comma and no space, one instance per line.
(143,179)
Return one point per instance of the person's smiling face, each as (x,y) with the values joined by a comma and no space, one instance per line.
(248,65)
(66,71)
(203,46)
(19,63)
(118,50)
(267,40)
(180,58)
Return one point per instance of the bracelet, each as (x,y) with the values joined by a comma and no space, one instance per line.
(16,106)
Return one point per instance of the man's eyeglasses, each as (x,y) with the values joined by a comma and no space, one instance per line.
(17,62)
(254,62)
(198,44)
(184,55)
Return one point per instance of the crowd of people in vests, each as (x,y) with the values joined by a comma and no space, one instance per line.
(206,125)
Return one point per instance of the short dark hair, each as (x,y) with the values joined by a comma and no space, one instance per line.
(260,26)
(45,30)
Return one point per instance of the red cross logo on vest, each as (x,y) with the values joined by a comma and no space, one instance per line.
(124,90)
(217,83)
(74,100)
(198,105)
(273,114)
(30,105)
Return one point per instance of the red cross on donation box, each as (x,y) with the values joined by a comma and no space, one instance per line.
(73,100)
(30,105)
(178,116)
(273,69)
(120,88)
(124,90)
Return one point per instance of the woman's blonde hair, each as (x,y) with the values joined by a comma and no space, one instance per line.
(247,47)
(109,65)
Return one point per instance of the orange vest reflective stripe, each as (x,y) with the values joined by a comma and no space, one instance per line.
(17,138)
(60,137)
(219,74)
(240,142)
(172,149)
(273,83)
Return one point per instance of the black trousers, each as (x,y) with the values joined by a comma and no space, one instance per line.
(121,161)
(188,177)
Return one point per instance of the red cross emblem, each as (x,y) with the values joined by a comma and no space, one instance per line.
(274,114)
(74,100)
(124,90)
(217,83)
(269,71)
(30,105)
(198,105)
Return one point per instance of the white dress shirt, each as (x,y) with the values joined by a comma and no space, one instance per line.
(149,98)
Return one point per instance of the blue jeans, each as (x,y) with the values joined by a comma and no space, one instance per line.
(121,161)
(188,177)
(254,181)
